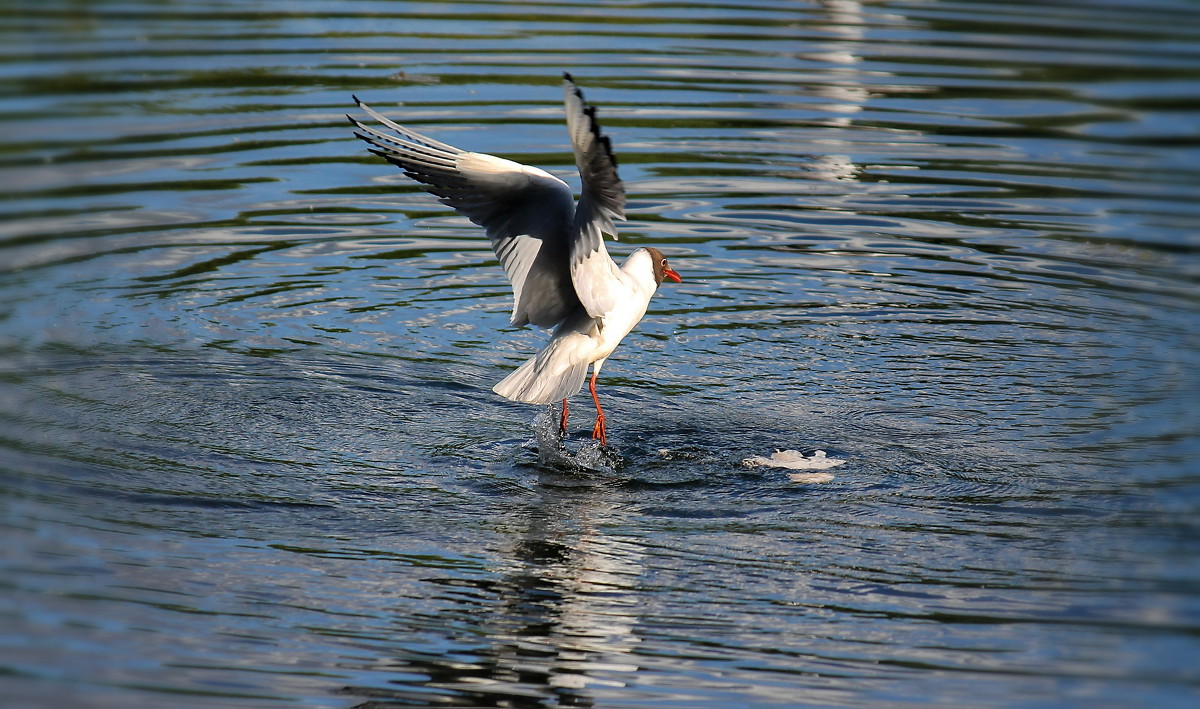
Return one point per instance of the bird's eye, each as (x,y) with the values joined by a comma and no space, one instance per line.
(664,262)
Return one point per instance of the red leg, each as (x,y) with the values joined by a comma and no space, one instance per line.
(562,424)
(598,430)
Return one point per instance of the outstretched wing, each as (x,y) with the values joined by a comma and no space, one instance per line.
(526,212)
(596,277)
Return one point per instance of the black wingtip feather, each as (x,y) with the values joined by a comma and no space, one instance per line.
(568,77)
(594,126)
(608,149)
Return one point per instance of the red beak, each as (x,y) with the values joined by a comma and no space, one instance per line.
(670,273)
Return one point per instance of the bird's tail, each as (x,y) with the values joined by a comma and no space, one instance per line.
(556,373)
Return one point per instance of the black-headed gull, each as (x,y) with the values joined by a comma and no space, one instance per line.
(551,249)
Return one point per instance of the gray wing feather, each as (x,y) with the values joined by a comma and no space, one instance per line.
(526,212)
(602,200)
(603,197)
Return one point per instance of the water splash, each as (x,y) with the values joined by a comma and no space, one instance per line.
(555,451)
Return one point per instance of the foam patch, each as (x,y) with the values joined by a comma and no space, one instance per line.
(795,460)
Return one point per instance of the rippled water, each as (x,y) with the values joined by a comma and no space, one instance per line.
(249,454)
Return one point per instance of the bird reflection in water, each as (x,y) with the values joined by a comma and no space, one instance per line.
(556,627)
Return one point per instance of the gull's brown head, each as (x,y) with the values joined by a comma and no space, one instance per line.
(662,269)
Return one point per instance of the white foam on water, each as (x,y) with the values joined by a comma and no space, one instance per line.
(795,460)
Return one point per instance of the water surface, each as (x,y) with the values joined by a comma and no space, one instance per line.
(249,453)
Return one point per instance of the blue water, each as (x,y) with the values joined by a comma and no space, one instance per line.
(249,452)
